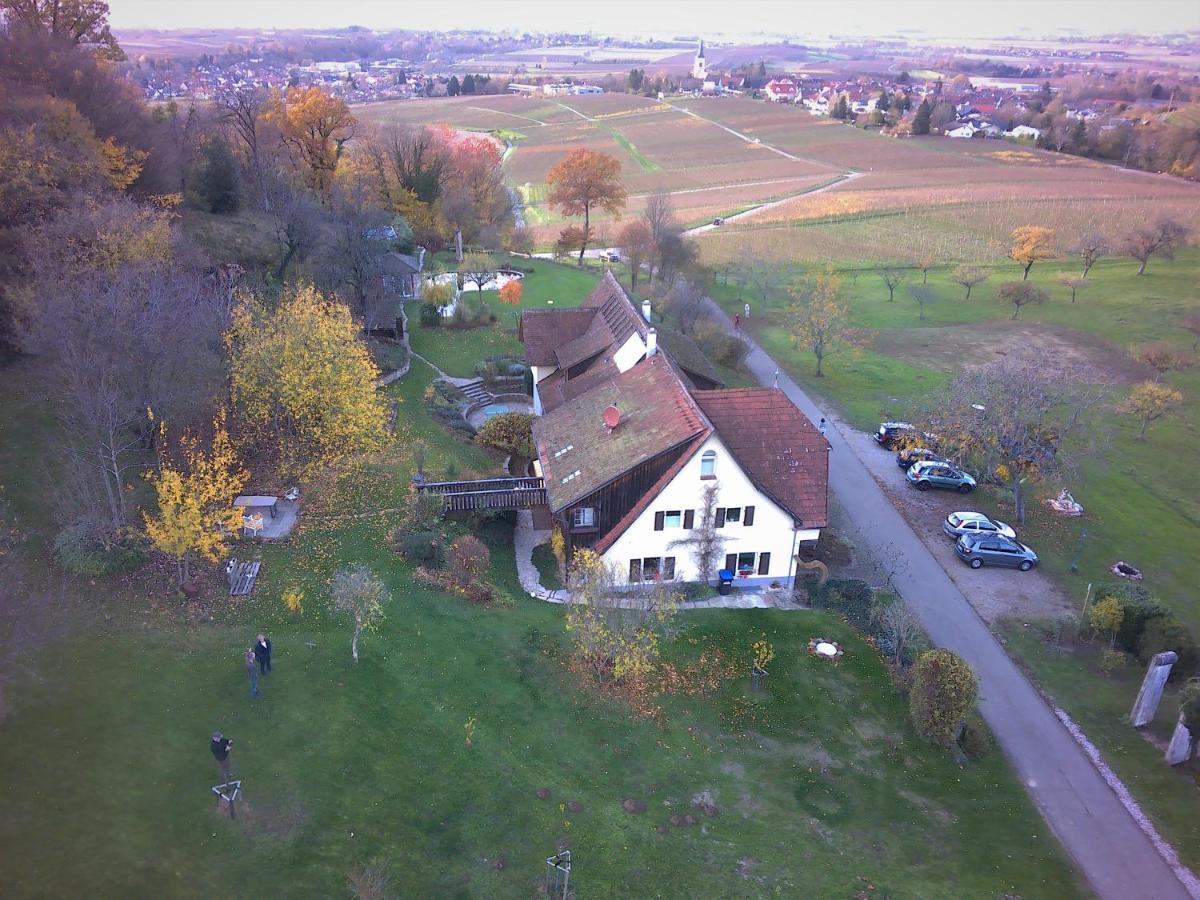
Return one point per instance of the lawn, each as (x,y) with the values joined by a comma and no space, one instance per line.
(1140,506)
(457,350)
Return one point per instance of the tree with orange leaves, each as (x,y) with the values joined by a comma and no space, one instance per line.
(1031,243)
(511,293)
(315,125)
(582,180)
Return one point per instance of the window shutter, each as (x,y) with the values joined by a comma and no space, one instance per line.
(658,521)
(748,516)
(731,562)
(689,518)
(720,517)
(764,563)
(668,569)
(635,570)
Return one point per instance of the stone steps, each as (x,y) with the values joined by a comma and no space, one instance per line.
(476,392)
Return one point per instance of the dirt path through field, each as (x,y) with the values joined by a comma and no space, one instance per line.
(756,210)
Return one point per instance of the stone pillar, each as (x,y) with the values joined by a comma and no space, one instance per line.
(1179,750)
(1151,691)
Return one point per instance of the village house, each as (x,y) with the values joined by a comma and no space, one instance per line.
(781,90)
(630,432)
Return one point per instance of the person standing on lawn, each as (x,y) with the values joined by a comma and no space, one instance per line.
(221,747)
(262,650)
(252,674)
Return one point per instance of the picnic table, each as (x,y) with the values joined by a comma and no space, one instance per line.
(254,500)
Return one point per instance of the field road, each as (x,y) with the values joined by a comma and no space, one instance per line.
(1115,855)
(755,210)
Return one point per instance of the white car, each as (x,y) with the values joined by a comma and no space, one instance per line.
(959,523)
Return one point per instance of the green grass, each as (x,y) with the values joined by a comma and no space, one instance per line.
(646,164)
(456,350)
(547,566)
(822,787)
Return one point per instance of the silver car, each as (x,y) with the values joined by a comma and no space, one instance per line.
(977,550)
(959,523)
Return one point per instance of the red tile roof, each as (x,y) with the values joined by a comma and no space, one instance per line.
(776,444)
(543,331)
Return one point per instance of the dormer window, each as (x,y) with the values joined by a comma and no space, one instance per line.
(708,464)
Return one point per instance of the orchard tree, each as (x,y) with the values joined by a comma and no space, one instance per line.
(361,593)
(477,268)
(820,323)
(195,499)
(1020,294)
(925,263)
(924,295)
(892,277)
(969,277)
(1162,357)
(1015,424)
(582,181)
(300,377)
(1161,239)
(944,692)
(1089,249)
(1149,401)
(1031,243)
(1073,283)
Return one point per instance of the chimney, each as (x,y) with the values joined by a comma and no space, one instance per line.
(651,343)
(646,310)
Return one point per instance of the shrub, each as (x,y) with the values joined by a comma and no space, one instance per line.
(1111,660)
(82,551)
(719,344)
(976,740)
(853,599)
(510,432)
(430,317)
(1165,632)
(467,560)
(943,693)
(1106,617)
(423,548)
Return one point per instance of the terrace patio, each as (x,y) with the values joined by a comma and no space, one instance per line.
(268,518)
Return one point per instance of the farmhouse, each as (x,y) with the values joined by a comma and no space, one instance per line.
(1024,132)
(630,434)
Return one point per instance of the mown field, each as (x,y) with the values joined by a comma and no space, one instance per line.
(817,783)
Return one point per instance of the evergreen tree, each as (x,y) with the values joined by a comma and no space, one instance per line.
(220,180)
(762,69)
(452,87)
(1079,137)
(468,84)
(920,123)
(636,77)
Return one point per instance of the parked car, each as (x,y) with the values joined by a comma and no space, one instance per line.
(612,256)
(977,550)
(718,221)
(959,523)
(924,475)
(912,455)
(892,433)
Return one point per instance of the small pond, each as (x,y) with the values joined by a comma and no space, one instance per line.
(477,415)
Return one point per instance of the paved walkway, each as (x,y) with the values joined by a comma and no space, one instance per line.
(1109,846)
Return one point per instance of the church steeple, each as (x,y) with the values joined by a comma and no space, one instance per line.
(700,66)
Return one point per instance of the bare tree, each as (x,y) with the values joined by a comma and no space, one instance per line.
(924,295)
(242,110)
(294,218)
(969,277)
(1021,294)
(684,302)
(1073,283)
(1161,239)
(706,542)
(1089,249)
(353,259)
(900,628)
(477,268)
(362,594)
(1191,324)
(1015,423)
(892,277)
(659,216)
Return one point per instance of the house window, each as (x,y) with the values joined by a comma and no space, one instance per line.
(745,562)
(733,514)
(650,568)
(673,518)
(583,517)
(708,464)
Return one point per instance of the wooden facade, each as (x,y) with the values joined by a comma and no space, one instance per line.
(614,500)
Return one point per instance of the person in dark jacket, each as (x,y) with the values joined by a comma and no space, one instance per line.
(262,650)
(221,747)
(252,674)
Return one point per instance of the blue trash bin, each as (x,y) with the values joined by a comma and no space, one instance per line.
(725,581)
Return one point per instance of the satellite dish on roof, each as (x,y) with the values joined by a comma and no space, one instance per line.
(612,418)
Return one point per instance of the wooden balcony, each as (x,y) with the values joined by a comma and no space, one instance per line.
(489,493)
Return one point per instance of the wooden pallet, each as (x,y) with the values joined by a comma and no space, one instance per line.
(241,580)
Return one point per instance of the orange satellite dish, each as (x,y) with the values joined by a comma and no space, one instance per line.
(612,417)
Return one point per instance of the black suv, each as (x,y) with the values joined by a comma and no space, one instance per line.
(890,434)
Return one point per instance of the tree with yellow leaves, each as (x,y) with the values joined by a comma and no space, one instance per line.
(819,322)
(316,126)
(195,499)
(1031,243)
(301,377)
(1149,401)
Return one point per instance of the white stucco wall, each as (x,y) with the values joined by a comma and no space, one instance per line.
(773,530)
(540,373)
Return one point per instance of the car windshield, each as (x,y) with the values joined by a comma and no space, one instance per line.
(956,520)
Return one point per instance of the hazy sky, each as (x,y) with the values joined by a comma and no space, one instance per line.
(666,18)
